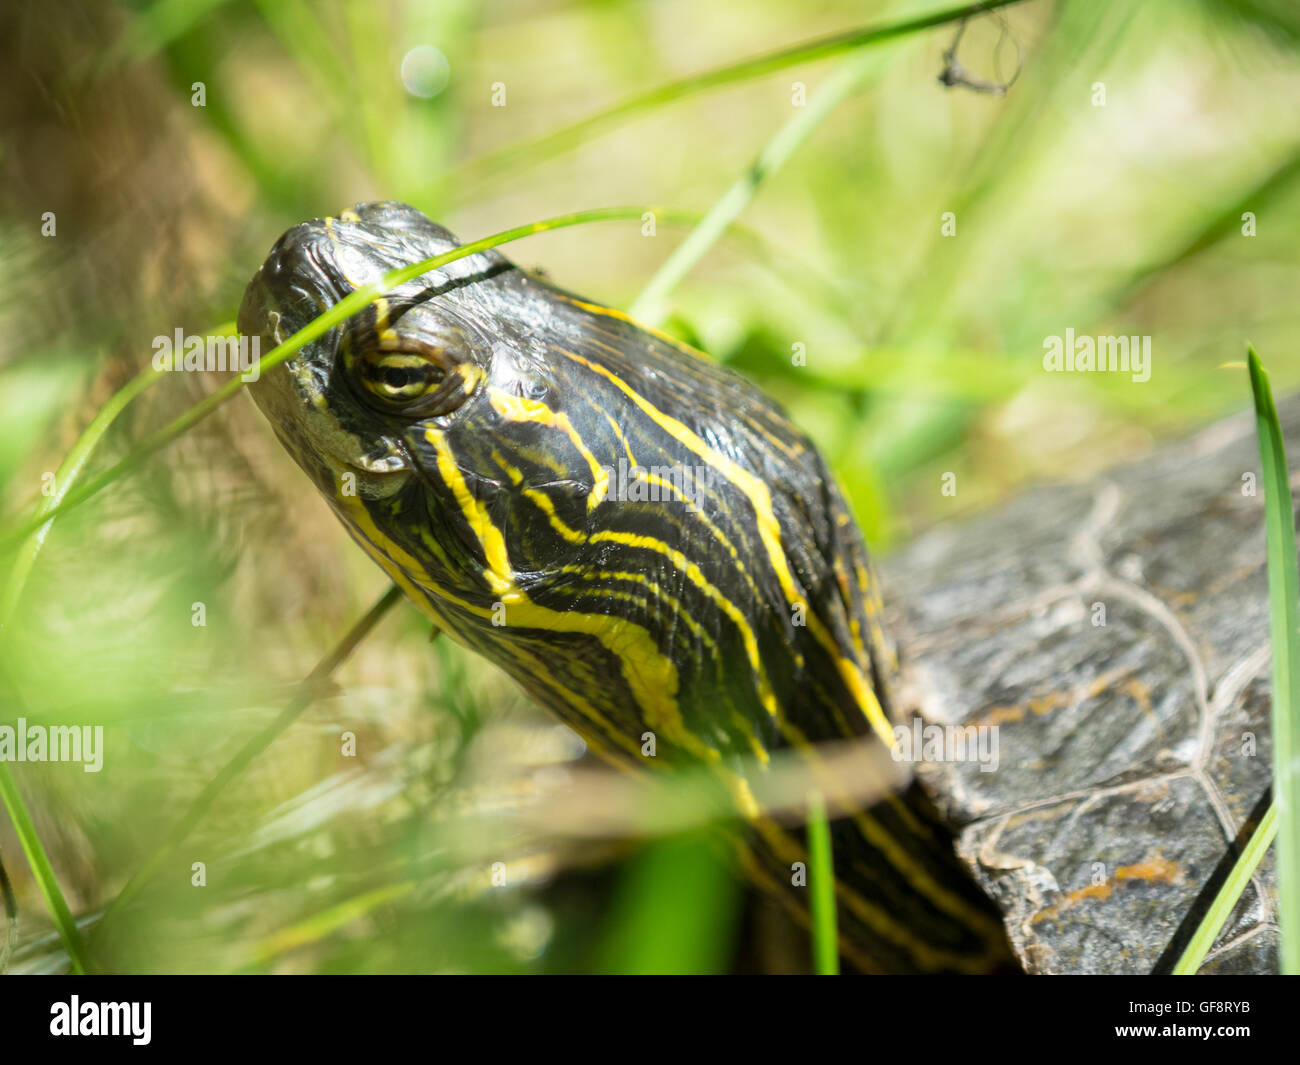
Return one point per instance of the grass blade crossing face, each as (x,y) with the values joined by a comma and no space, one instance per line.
(639,537)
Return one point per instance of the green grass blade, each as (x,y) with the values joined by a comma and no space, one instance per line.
(821,884)
(320,925)
(64,478)
(42,870)
(351,304)
(1221,908)
(1284,612)
(154,27)
(71,469)
(1284,626)
(844,80)
(474,174)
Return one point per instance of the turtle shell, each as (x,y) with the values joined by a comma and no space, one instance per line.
(1113,639)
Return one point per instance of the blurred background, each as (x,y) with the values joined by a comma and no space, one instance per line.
(151,153)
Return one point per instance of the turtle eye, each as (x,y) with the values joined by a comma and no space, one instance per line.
(400,377)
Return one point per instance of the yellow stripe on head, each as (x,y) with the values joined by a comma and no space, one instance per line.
(769,530)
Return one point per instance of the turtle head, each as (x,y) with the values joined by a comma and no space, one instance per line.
(349,400)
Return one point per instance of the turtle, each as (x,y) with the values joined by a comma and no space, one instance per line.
(646,543)
(637,535)
(1112,637)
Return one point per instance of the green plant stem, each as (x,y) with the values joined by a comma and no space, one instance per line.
(70,470)
(42,871)
(821,885)
(844,80)
(310,688)
(1284,628)
(513,157)
(318,327)
(1221,908)
(66,475)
